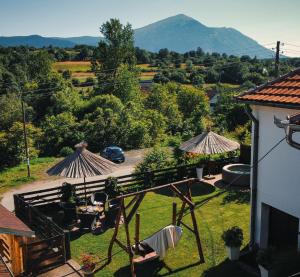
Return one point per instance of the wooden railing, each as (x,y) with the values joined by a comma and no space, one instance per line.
(5,270)
(130,182)
(48,250)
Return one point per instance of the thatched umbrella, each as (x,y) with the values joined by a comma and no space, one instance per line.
(81,164)
(209,143)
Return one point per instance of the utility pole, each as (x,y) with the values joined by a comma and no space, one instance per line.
(277,59)
(25,138)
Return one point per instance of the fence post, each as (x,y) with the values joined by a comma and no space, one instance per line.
(66,244)
(16,204)
(148,178)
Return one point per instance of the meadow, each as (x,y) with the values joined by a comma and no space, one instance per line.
(82,70)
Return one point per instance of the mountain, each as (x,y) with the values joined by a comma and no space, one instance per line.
(35,41)
(179,33)
(83,40)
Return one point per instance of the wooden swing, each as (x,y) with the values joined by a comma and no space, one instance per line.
(127,214)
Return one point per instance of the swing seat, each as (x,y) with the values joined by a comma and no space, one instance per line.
(147,258)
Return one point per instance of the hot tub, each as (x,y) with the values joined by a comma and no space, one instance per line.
(236,174)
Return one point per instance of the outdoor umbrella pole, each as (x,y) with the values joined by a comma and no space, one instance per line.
(85,191)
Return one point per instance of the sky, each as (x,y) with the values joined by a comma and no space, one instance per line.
(266,21)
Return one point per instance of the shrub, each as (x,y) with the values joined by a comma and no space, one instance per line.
(75,82)
(157,158)
(111,187)
(65,151)
(233,237)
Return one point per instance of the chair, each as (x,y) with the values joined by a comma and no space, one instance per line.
(99,198)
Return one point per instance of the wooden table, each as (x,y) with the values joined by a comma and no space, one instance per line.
(87,214)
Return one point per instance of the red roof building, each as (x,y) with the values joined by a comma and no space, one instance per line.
(282,92)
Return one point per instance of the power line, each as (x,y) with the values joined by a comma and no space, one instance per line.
(292,44)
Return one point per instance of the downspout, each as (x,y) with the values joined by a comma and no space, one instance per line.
(254,175)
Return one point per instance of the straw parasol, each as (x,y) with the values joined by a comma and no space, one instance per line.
(209,143)
(82,164)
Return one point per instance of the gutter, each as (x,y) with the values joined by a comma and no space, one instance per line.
(254,176)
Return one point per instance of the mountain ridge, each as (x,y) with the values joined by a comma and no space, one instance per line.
(179,33)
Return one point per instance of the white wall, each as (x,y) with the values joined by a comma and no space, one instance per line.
(279,172)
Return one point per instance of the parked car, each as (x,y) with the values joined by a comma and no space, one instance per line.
(114,154)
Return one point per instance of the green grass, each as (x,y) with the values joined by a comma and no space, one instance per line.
(17,176)
(215,212)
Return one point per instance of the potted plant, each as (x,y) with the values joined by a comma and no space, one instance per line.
(265,259)
(199,171)
(88,262)
(233,239)
(111,187)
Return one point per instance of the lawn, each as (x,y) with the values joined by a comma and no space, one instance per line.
(215,212)
(17,176)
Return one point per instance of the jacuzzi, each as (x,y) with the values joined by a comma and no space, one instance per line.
(236,174)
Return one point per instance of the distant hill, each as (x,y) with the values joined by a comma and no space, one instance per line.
(181,33)
(84,40)
(178,33)
(35,41)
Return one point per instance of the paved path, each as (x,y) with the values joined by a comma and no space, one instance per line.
(133,157)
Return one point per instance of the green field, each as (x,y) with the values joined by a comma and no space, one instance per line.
(73,66)
(82,70)
(17,176)
(215,212)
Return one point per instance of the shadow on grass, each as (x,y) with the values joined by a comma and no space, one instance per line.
(225,269)
(236,196)
(152,268)
(197,189)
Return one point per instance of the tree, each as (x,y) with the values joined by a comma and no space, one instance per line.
(117,47)
(12,144)
(10,111)
(126,84)
(59,131)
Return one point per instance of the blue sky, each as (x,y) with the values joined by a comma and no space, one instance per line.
(264,20)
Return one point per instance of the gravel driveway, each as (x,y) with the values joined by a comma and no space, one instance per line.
(132,158)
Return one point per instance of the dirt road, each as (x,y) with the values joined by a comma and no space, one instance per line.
(133,157)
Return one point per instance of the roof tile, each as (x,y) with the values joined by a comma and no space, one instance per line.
(284,90)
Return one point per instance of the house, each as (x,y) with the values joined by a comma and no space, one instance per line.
(14,236)
(275,178)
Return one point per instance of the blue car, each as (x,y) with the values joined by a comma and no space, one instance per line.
(114,154)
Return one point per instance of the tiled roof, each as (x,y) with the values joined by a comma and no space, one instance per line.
(10,224)
(284,91)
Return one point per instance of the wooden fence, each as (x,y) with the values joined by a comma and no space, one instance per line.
(49,249)
(131,182)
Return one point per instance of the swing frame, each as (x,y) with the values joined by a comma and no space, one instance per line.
(135,202)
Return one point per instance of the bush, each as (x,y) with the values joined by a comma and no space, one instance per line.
(233,237)
(157,158)
(111,187)
(65,151)
(75,82)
